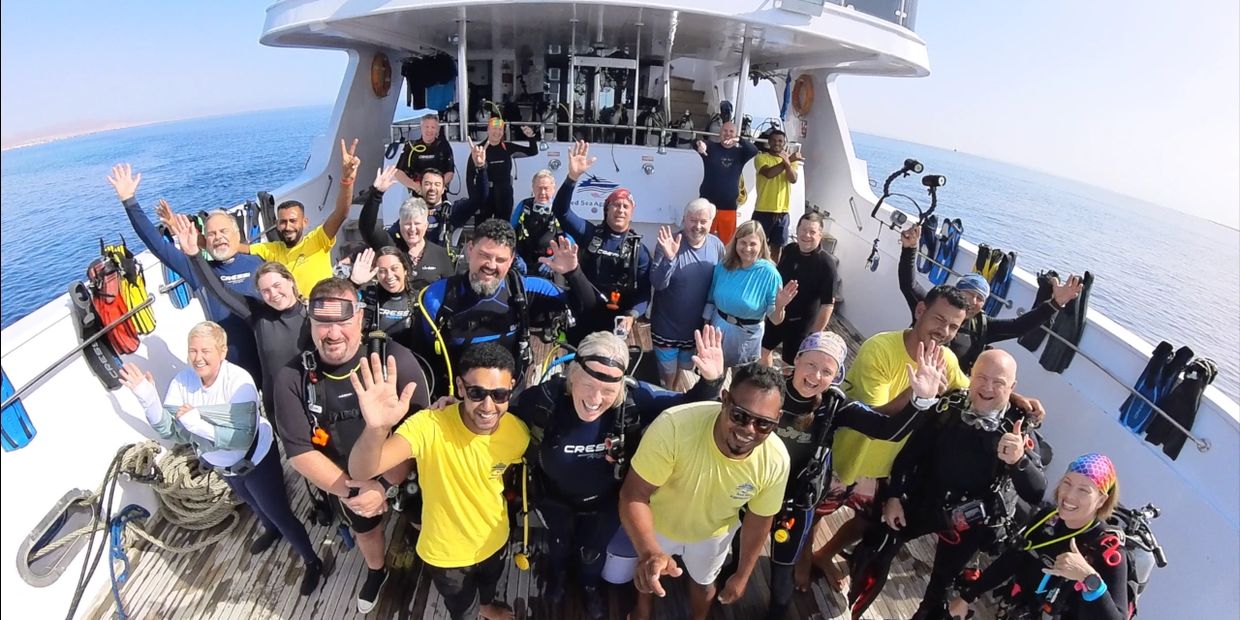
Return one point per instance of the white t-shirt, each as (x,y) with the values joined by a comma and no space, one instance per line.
(232,385)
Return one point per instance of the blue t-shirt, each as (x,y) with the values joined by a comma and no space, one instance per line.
(721,172)
(745,292)
(681,287)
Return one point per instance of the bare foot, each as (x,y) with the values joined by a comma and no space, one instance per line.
(495,611)
(801,575)
(836,578)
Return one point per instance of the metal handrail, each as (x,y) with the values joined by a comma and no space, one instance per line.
(1203,445)
(17,394)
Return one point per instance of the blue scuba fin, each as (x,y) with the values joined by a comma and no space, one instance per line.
(16,429)
(1134,412)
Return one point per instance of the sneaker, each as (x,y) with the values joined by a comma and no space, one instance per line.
(369,594)
(595,603)
(311,578)
(264,542)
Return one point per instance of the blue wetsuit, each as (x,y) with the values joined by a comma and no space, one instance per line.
(237,273)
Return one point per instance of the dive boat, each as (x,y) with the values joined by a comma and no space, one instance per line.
(614,73)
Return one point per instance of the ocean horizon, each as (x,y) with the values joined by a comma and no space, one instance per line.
(1147,258)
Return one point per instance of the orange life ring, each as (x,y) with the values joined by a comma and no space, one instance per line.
(380,75)
(803,95)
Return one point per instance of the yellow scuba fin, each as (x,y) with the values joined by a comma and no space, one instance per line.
(133,286)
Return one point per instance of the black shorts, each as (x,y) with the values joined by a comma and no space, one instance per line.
(356,522)
(788,334)
(466,588)
(776,227)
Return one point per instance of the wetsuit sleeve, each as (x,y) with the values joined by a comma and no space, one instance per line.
(998,330)
(652,400)
(236,303)
(163,249)
(572,223)
(585,298)
(545,297)
(859,417)
(1113,605)
(479,192)
(449,158)
(639,301)
(995,575)
(904,468)
(291,422)
(1028,478)
(517,210)
(905,274)
(368,222)
(524,151)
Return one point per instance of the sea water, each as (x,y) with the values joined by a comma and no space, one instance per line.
(1163,274)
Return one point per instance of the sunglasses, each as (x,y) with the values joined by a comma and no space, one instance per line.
(478,394)
(333,309)
(743,417)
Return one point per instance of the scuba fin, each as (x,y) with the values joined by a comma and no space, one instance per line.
(1069,324)
(179,294)
(109,306)
(1034,338)
(132,285)
(929,243)
(100,355)
(1134,412)
(16,429)
(1000,285)
(949,246)
(1181,403)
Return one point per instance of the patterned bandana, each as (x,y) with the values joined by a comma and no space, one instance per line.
(618,195)
(497,121)
(1097,468)
(827,342)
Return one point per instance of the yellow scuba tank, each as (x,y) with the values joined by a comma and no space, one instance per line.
(133,285)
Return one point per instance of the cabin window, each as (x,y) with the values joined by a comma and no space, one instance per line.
(51,547)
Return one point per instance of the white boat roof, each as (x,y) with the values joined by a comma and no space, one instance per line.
(843,39)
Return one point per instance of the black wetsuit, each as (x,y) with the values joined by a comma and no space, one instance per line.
(536,228)
(578,487)
(281,335)
(1024,569)
(391,313)
(947,464)
(815,276)
(433,264)
(499,172)
(980,331)
(341,416)
(417,158)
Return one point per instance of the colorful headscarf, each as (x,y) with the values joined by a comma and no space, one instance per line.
(1096,467)
(827,342)
(497,122)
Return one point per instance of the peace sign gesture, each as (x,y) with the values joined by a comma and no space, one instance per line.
(349,161)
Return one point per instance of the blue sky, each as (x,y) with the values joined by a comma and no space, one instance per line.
(1140,97)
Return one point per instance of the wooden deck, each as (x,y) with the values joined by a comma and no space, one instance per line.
(226,582)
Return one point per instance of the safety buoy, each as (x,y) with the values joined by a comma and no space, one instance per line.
(803,94)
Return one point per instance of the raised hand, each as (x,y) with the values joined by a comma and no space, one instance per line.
(124,181)
(1064,293)
(385,178)
(910,237)
(958,608)
(186,234)
(796,157)
(164,212)
(349,161)
(670,244)
(363,268)
(479,154)
(527,131)
(579,160)
(376,392)
(925,380)
(709,358)
(1071,564)
(786,294)
(700,146)
(563,257)
(1012,444)
(132,376)
(652,567)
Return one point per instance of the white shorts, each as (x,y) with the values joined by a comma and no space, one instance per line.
(703,559)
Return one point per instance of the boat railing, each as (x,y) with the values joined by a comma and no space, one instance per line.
(398,132)
(54,366)
(1202,444)
(899,12)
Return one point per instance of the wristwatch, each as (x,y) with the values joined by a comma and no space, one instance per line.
(389,489)
(1092,582)
(923,404)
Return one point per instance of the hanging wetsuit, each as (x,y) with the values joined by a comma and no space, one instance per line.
(578,485)
(617,264)
(950,480)
(1031,588)
(499,173)
(980,331)
(434,262)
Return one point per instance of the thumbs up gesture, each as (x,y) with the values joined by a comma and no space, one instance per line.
(1012,444)
(1071,564)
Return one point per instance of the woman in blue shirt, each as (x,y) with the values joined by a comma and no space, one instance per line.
(744,289)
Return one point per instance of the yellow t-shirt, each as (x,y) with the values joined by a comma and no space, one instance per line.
(464,519)
(772,193)
(310,260)
(700,489)
(877,376)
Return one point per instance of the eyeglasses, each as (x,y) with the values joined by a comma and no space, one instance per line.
(743,417)
(478,394)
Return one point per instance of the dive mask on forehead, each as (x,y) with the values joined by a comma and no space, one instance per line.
(333,309)
(606,361)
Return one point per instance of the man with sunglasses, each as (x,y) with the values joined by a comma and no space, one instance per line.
(589,422)
(697,466)
(319,419)
(959,475)
(462,452)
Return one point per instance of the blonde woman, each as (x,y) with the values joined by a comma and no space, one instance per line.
(746,288)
